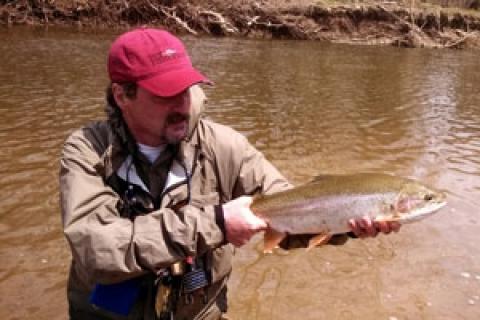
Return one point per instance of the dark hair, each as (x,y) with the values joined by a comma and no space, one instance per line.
(115,117)
(130,89)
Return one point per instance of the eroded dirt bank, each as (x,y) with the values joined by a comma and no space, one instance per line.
(382,23)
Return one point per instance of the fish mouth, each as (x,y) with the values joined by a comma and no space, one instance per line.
(415,215)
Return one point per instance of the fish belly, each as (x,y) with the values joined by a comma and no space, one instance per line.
(326,216)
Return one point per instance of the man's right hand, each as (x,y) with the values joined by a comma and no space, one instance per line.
(240,222)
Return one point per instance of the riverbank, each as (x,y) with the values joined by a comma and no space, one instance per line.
(372,23)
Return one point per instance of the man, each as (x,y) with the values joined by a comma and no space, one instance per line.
(154,198)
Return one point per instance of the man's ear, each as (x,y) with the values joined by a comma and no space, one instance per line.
(119,95)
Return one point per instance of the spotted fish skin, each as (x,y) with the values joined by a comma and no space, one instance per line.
(325,205)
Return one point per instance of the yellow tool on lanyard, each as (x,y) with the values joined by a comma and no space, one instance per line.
(163,301)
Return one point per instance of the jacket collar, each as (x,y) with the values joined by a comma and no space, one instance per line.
(121,144)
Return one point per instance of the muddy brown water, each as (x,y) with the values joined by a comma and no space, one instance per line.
(311,108)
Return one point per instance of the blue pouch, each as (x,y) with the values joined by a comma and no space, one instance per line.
(118,298)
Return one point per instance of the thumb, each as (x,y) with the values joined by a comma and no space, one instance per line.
(246,200)
(258,223)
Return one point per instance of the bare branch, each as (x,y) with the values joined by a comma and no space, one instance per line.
(220,20)
(179,21)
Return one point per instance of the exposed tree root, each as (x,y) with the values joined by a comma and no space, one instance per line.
(218,22)
(386,24)
(179,21)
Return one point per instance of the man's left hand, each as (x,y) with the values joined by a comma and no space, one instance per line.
(366,227)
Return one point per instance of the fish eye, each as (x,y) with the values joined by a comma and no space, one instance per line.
(428,197)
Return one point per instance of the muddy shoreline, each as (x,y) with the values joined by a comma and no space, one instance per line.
(382,23)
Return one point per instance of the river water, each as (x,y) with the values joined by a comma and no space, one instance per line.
(312,108)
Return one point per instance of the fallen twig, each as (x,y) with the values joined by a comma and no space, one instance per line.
(459,41)
(179,21)
(268,24)
(411,25)
(227,27)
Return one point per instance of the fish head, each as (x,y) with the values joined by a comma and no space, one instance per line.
(414,202)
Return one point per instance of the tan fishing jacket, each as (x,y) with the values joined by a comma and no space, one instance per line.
(108,248)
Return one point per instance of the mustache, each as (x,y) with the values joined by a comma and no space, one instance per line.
(177,117)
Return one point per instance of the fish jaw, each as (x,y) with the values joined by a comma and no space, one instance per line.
(414,215)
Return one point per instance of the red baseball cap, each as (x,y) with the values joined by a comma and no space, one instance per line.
(154,59)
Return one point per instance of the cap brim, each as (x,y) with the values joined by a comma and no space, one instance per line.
(174,82)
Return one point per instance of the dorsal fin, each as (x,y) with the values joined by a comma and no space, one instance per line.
(322,177)
(358,175)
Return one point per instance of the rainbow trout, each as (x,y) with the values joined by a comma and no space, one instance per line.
(325,205)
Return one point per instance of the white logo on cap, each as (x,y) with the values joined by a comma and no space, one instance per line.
(168,52)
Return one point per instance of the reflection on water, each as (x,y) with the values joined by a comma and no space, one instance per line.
(311,108)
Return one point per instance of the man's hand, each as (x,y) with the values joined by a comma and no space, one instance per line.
(365,227)
(240,222)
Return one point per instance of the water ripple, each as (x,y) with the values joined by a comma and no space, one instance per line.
(311,108)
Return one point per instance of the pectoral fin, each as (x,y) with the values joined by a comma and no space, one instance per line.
(272,238)
(318,240)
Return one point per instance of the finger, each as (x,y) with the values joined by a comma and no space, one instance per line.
(259,224)
(368,226)
(248,235)
(247,200)
(236,243)
(395,226)
(383,227)
(354,226)
(259,228)
(362,229)
(254,222)
(240,242)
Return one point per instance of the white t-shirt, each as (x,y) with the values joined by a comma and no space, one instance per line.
(152,153)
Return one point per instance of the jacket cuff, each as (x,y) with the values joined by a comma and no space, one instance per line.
(220,220)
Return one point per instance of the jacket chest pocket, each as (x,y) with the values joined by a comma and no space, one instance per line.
(205,187)
(203,200)
(200,193)
(179,197)
(206,178)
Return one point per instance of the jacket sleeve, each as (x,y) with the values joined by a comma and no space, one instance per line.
(252,172)
(111,248)
(257,175)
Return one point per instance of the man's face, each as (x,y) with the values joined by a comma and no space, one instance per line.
(155,120)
